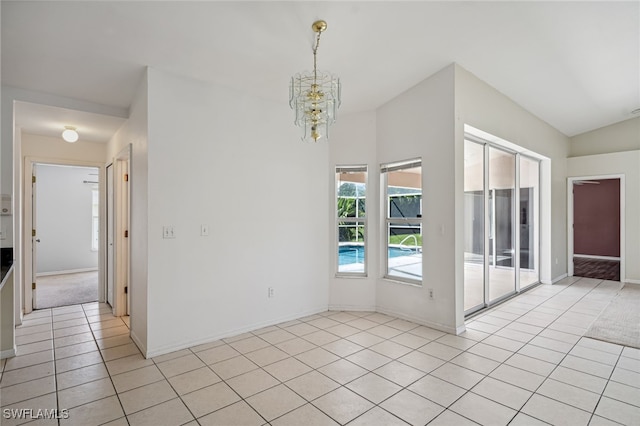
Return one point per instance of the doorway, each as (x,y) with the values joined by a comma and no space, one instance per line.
(596,225)
(501,198)
(65,237)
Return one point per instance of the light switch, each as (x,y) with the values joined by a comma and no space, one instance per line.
(204,230)
(168,232)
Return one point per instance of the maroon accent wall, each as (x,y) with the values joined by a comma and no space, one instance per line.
(596,218)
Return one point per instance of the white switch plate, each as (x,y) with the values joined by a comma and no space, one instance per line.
(204,230)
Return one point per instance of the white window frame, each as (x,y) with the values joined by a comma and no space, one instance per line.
(384,169)
(362,168)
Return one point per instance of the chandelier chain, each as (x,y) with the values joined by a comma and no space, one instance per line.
(315,53)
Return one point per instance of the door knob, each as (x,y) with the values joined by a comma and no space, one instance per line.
(38,240)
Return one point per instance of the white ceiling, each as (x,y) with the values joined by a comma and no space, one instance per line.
(574,64)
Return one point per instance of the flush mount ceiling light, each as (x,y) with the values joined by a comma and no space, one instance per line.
(315,96)
(70,134)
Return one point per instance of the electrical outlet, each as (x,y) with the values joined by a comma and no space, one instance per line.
(168,232)
(431,293)
(270,292)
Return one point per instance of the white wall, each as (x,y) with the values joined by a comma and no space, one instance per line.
(420,123)
(64,218)
(619,137)
(134,133)
(353,142)
(627,164)
(234,162)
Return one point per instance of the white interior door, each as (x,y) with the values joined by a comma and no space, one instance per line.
(111,270)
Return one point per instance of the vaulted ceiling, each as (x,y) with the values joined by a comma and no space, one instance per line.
(575,65)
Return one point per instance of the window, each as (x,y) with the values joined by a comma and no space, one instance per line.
(351,191)
(95,221)
(402,183)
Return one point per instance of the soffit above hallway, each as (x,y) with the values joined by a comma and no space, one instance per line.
(573,64)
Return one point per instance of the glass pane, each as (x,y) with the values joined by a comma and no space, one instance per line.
(351,247)
(473,225)
(404,190)
(351,193)
(501,237)
(528,219)
(405,251)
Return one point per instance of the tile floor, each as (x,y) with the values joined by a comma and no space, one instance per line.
(521,363)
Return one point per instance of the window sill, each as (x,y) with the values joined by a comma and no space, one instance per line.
(397,280)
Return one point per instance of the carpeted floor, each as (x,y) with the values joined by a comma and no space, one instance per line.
(619,321)
(595,268)
(67,289)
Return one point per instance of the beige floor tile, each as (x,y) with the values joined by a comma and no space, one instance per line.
(569,394)
(475,362)
(233,367)
(629,364)
(320,337)
(483,410)
(301,329)
(170,413)
(323,323)
(146,396)
(491,352)
(368,359)
(136,378)
(312,385)
(618,411)
(72,340)
(458,376)
(503,343)
(317,357)
(307,415)
(343,405)
(344,316)
(343,330)
(399,373)
(611,348)
(365,339)
(342,371)
(28,360)
(456,342)
(427,333)
(274,402)
(70,323)
(601,421)
(412,408)
(210,399)
(119,351)
(410,340)
(26,374)
(180,365)
(78,361)
(111,342)
(587,366)
(501,392)
(287,369)
(122,365)
(277,336)
(626,377)
(531,365)
(377,417)
(384,331)
(70,331)
(541,353)
(390,349)
(94,413)
(217,354)
(265,330)
(579,379)
(373,387)
(194,380)
(517,377)
(266,356)
(78,349)
(439,350)
(171,355)
(295,346)
(624,393)
(437,390)
(421,361)
(42,402)
(238,414)
(555,412)
(112,331)
(249,344)
(85,393)
(206,346)
(41,328)
(35,337)
(27,390)
(594,355)
(82,375)
(362,324)
(252,382)
(342,347)
(449,418)
(31,348)
(109,323)
(522,419)
(628,352)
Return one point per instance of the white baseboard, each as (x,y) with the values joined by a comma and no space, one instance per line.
(69,271)
(352,308)
(629,281)
(589,256)
(8,353)
(435,326)
(558,278)
(138,342)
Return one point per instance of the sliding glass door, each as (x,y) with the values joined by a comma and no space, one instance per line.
(501,192)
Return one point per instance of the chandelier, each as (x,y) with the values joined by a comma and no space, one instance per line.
(315,96)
